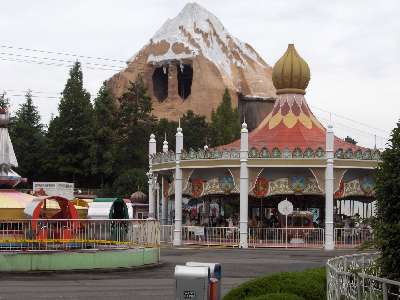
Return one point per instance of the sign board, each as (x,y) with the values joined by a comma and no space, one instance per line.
(285,207)
(63,189)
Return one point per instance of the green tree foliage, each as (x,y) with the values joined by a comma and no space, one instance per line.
(387,226)
(4,101)
(103,150)
(350,140)
(195,130)
(71,132)
(225,122)
(28,138)
(135,123)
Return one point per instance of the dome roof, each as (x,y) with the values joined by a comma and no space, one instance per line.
(291,73)
(138,197)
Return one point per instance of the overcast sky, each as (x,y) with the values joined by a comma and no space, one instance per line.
(352,48)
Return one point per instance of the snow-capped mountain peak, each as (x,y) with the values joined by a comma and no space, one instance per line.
(196,31)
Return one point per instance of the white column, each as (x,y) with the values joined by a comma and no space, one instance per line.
(164,203)
(178,188)
(152,151)
(329,244)
(158,200)
(244,185)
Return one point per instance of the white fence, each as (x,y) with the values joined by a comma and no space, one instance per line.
(354,277)
(286,237)
(268,237)
(352,237)
(54,234)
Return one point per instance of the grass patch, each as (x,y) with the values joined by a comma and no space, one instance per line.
(309,284)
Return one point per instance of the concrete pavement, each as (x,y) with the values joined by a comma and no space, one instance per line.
(238,265)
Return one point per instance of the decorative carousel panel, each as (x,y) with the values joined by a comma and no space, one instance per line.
(320,153)
(367,185)
(367,154)
(226,154)
(201,154)
(308,153)
(192,153)
(376,155)
(297,184)
(311,186)
(276,153)
(172,155)
(297,153)
(197,188)
(286,153)
(253,153)
(235,154)
(226,184)
(184,155)
(340,192)
(212,187)
(339,153)
(261,187)
(358,154)
(349,154)
(352,188)
(264,153)
(279,186)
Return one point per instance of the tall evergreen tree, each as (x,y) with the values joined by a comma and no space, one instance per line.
(225,122)
(135,123)
(387,226)
(28,138)
(103,149)
(71,132)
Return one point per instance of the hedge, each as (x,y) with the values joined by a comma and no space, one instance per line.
(277,296)
(309,284)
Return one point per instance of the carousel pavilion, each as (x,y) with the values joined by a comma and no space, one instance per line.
(290,155)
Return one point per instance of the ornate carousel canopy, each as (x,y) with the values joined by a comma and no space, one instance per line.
(286,151)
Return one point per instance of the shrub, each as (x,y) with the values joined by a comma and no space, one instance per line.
(309,284)
(277,296)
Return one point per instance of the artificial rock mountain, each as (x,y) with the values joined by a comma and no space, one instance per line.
(188,63)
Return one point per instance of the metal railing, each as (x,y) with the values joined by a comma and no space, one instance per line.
(268,237)
(354,277)
(286,237)
(69,234)
(352,237)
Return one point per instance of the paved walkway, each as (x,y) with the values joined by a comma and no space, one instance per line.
(158,282)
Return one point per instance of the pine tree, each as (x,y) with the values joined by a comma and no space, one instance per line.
(103,150)
(387,226)
(225,122)
(71,133)
(28,138)
(135,124)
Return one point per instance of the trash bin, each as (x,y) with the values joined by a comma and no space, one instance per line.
(192,282)
(215,278)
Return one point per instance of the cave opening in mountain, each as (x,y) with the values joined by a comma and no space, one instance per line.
(185,77)
(160,83)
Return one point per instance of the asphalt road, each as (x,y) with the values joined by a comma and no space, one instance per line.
(158,282)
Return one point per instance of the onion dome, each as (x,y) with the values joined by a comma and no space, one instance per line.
(291,73)
(138,197)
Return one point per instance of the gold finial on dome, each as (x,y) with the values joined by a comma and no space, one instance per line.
(291,73)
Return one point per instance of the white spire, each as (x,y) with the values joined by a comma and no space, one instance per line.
(165,143)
